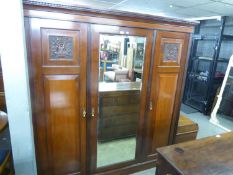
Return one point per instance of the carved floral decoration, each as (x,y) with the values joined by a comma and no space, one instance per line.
(171,51)
(60,47)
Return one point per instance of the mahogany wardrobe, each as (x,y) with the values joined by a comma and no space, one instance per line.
(105,86)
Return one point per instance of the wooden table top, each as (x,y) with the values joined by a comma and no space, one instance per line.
(119,86)
(208,156)
(3,120)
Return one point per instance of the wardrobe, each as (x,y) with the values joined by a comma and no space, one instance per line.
(83,122)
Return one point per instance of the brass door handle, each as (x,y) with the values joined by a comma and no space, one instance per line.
(151,105)
(93,112)
(84,113)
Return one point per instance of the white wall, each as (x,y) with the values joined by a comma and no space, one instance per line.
(15,75)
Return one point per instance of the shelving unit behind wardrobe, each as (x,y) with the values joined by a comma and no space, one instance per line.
(209,56)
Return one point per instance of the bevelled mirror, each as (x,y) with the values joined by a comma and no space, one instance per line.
(222,111)
(121,60)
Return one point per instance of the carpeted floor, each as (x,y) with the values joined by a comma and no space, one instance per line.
(205,127)
(115,151)
(187,109)
(146,172)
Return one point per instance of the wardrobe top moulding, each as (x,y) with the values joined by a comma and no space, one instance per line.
(73,12)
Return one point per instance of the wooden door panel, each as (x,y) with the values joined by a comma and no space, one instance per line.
(62,94)
(58,51)
(167,84)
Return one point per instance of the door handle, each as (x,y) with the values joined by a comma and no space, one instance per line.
(84,113)
(93,112)
(151,105)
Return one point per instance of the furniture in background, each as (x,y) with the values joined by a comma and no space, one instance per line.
(211,155)
(138,56)
(210,52)
(64,79)
(225,94)
(130,57)
(5,142)
(6,167)
(119,103)
(2,93)
(3,121)
(6,162)
(134,60)
(186,130)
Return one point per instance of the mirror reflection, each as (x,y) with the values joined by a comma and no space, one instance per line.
(225,110)
(121,61)
(222,112)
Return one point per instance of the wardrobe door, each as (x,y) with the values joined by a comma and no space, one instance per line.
(166,85)
(120,60)
(58,90)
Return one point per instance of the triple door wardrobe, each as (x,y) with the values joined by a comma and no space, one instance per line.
(85,122)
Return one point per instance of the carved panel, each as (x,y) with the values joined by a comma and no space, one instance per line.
(171,51)
(60,47)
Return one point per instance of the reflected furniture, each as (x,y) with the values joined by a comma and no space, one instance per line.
(119,74)
(105,63)
(118,115)
(211,155)
(63,60)
(186,130)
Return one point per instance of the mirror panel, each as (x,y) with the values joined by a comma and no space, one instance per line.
(222,111)
(121,60)
(225,110)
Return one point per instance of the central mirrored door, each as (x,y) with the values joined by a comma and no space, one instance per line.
(119,75)
(121,60)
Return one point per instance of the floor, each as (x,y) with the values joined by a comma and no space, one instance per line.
(146,172)
(206,128)
(225,122)
(121,149)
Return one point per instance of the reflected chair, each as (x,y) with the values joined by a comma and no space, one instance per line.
(117,75)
